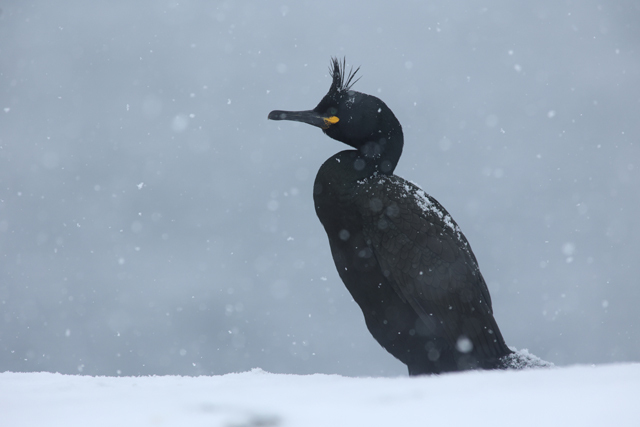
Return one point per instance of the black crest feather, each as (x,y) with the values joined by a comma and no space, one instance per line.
(342,81)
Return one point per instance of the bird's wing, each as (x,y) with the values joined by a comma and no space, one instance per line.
(429,263)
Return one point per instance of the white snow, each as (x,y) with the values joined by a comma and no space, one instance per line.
(605,395)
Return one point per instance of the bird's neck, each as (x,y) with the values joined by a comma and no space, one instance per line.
(380,155)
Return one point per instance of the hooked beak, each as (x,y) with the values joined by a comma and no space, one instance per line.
(309,117)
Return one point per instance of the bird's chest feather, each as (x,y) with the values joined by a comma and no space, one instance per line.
(339,207)
(345,213)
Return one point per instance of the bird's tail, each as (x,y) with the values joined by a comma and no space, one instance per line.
(522,359)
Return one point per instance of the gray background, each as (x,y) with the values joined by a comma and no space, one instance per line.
(152,221)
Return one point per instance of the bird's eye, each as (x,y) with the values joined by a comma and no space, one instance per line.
(332,111)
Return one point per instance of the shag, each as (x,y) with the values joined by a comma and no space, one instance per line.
(398,251)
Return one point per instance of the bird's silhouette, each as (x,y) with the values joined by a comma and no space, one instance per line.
(400,254)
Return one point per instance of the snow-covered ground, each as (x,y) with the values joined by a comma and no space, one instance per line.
(574,396)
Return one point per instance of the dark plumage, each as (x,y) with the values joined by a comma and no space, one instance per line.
(400,254)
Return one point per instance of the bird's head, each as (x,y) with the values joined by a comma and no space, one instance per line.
(356,119)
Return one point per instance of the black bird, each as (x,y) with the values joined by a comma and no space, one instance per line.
(398,251)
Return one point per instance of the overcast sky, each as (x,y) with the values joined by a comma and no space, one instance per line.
(152,221)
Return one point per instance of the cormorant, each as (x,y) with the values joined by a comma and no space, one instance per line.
(398,251)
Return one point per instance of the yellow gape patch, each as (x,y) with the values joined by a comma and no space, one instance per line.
(330,121)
